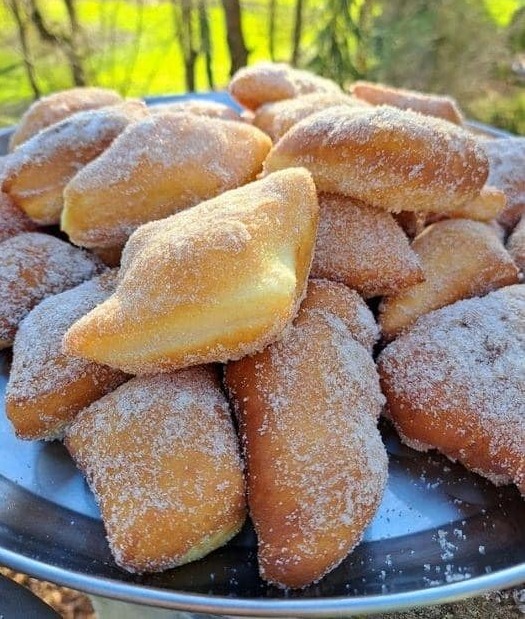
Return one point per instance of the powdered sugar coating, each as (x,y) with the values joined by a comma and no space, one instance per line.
(12,220)
(363,247)
(199,107)
(516,244)
(34,266)
(317,468)
(389,158)
(264,82)
(507,172)
(49,110)
(161,456)
(458,376)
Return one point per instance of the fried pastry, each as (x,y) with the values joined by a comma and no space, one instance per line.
(485,207)
(456,382)
(39,169)
(166,163)
(13,221)
(516,244)
(316,467)
(266,81)
(34,266)
(47,388)
(478,265)
(389,158)
(424,103)
(211,283)
(161,456)
(199,107)
(54,108)
(507,172)
(362,247)
(277,117)
(326,297)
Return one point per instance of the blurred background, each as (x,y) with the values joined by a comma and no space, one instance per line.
(471,49)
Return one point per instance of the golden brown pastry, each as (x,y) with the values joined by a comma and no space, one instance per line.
(47,388)
(110,256)
(34,266)
(316,466)
(266,81)
(277,117)
(212,283)
(389,158)
(516,244)
(460,259)
(507,172)
(161,165)
(199,107)
(363,247)
(37,172)
(456,382)
(161,456)
(485,207)
(57,106)
(424,103)
(13,221)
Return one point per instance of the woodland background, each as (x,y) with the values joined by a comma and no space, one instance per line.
(472,49)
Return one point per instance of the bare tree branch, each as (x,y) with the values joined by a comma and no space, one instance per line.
(21,25)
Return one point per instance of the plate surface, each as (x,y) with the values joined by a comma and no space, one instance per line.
(441,533)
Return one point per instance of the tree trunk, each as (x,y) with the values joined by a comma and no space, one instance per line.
(73,46)
(21,27)
(297,31)
(206,42)
(185,36)
(272,10)
(234,35)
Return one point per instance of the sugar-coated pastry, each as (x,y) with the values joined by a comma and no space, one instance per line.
(424,103)
(327,297)
(460,259)
(389,158)
(456,382)
(485,207)
(266,81)
(37,172)
(516,244)
(34,266)
(161,456)
(363,247)
(13,221)
(316,466)
(57,106)
(277,117)
(507,172)
(47,388)
(161,165)
(110,256)
(211,283)
(412,222)
(199,107)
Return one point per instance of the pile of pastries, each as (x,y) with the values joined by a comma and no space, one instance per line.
(235,299)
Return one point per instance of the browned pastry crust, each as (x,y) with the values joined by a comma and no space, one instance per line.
(277,117)
(485,207)
(479,263)
(389,158)
(57,106)
(34,266)
(265,82)
(424,103)
(456,382)
(159,166)
(516,244)
(199,107)
(37,172)
(13,221)
(161,456)
(363,247)
(211,283)
(507,172)
(316,467)
(47,388)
